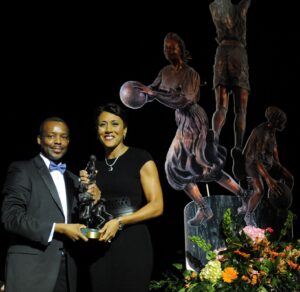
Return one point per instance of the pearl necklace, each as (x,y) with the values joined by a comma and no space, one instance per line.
(110,166)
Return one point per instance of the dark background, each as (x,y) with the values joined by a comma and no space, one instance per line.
(65,61)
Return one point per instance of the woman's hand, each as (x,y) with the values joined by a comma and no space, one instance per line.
(95,192)
(109,230)
(92,188)
(84,177)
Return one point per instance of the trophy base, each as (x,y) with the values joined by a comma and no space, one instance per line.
(91,233)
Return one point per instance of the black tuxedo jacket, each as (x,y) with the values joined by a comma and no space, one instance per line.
(31,205)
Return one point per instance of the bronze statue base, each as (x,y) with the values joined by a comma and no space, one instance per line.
(91,233)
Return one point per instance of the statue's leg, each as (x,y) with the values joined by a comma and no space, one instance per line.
(219,116)
(254,200)
(204,212)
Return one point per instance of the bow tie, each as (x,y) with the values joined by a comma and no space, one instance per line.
(60,167)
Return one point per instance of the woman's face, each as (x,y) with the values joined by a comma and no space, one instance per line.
(172,50)
(111,130)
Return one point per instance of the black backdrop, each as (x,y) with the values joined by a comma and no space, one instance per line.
(64,61)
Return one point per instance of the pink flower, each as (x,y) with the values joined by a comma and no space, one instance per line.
(220,257)
(254,233)
(269,229)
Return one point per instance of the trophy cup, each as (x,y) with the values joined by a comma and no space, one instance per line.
(94,216)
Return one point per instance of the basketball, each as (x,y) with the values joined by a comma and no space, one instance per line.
(283,200)
(131,96)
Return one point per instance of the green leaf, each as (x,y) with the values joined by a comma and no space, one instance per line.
(178,266)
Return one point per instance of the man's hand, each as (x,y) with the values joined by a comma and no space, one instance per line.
(71,230)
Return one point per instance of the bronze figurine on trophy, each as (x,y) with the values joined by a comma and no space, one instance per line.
(93,215)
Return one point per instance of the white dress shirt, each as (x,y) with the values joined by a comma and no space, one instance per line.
(59,182)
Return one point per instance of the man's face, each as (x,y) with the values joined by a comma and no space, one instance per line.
(54,140)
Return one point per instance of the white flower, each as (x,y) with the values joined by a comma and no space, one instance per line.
(211,272)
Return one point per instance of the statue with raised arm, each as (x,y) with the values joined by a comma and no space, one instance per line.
(92,214)
(231,71)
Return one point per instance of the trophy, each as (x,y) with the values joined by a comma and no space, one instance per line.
(94,216)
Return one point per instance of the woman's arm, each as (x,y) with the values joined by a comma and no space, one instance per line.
(154,207)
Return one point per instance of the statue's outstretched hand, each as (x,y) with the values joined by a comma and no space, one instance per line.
(275,187)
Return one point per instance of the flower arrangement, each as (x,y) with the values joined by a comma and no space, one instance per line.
(250,262)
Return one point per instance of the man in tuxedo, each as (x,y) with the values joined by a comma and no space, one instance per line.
(39,198)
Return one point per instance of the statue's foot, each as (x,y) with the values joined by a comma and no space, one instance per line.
(203,214)
(250,219)
(245,196)
(243,209)
(237,163)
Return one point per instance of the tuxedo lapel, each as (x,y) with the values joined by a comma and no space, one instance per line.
(70,190)
(45,174)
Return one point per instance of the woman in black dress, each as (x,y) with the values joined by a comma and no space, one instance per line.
(129,182)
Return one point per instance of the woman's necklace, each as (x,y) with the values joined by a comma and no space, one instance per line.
(110,166)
